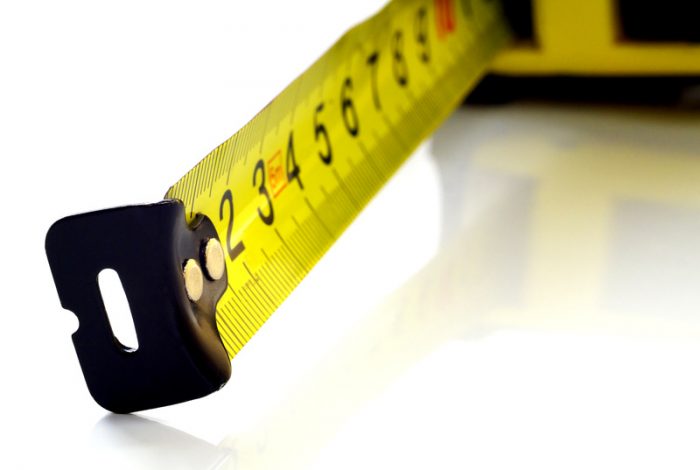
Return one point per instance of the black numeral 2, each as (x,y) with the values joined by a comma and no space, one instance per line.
(237,249)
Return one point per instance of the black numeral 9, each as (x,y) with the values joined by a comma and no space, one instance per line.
(421,30)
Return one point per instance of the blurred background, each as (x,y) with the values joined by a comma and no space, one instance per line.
(533,297)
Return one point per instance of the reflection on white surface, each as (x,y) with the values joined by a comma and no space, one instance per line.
(557,325)
(128,441)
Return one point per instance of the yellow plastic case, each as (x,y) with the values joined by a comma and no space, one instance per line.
(607,38)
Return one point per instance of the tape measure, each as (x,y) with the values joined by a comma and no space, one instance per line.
(270,200)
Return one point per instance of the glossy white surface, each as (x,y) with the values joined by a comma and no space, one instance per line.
(523,294)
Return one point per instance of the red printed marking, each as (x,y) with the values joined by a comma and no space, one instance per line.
(275,172)
(445,17)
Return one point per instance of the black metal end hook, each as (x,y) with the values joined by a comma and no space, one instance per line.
(180,355)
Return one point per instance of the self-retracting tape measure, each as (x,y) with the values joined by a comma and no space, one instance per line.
(270,201)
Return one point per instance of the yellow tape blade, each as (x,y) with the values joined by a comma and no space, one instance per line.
(283,189)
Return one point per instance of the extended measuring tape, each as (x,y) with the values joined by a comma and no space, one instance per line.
(270,201)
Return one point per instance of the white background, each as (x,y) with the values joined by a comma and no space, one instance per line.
(533,300)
